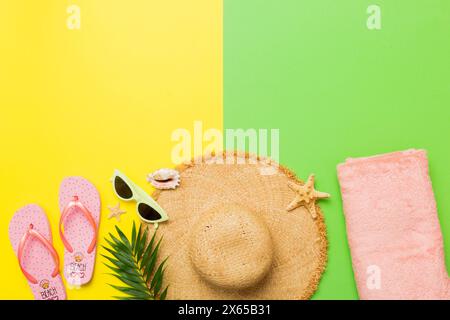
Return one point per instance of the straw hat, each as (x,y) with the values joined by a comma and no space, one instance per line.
(230,236)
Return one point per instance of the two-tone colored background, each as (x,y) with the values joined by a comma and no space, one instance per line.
(83,102)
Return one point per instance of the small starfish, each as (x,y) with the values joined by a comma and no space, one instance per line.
(116,212)
(306,196)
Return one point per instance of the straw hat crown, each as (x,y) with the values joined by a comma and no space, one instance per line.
(231,247)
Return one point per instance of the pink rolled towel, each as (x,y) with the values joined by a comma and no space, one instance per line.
(393,227)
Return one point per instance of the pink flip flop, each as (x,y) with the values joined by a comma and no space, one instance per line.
(79,202)
(31,238)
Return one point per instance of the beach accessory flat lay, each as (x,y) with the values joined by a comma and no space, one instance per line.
(31,239)
(393,227)
(149,210)
(230,236)
(79,202)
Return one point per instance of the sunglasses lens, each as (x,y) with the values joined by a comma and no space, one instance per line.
(122,189)
(148,213)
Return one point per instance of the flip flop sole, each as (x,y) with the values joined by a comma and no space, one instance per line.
(79,264)
(36,260)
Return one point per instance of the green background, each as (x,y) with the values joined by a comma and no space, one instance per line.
(336,89)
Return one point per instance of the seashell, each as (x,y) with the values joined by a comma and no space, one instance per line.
(164,179)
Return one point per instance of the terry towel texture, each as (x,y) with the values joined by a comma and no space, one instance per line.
(393,228)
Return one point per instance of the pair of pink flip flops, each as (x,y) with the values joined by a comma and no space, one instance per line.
(31,238)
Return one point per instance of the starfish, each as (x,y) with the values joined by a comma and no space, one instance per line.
(116,212)
(306,196)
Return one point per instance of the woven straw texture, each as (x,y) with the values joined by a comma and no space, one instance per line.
(290,248)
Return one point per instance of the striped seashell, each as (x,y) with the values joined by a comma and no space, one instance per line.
(164,179)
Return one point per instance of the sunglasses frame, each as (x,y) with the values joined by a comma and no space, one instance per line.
(139,196)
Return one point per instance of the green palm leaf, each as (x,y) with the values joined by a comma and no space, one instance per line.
(133,262)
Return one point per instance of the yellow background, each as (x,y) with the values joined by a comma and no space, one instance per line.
(84,102)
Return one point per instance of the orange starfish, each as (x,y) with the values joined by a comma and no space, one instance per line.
(306,196)
(115,212)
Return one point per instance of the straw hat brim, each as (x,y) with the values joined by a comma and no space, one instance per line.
(299,241)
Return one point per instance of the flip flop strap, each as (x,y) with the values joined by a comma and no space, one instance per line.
(75,203)
(33,233)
